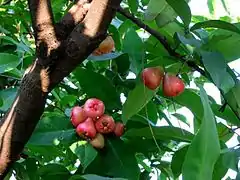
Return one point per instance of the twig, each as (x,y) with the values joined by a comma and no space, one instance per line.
(161,39)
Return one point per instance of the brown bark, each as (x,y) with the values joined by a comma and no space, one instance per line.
(53,62)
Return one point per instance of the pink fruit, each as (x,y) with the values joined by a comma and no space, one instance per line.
(172,85)
(86,129)
(77,115)
(98,141)
(105,124)
(119,129)
(94,108)
(152,77)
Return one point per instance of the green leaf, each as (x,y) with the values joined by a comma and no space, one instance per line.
(52,137)
(192,101)
(122,63)
(133,5)
(150,112)
(96,85)
(227,114)
(85,152)
(118,160)
(8,96)
(136,100)
(161,133)
(96,177)
(204,150)
(166,16)
(225,6)
(232,97)
(216,24)
(217,67)
(220,168)
(181,118)
(1,102)
(20,171)
(105,57)
(8,62)
(225,42)
(31,167)
(211,6)
(154,8)
(177,161)
(133,45)
(182,9)
(54,172)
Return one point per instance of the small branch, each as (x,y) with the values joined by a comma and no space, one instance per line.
(161,39)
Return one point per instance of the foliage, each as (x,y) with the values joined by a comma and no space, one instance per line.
(153,144)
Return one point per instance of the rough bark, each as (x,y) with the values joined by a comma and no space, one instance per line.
(57,56)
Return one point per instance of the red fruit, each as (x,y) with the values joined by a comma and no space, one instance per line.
(152,77)
(106,46)
(98,141)
(86,129)
(172,85)
(105,124)
(94,108)
(119,129)
(77,115)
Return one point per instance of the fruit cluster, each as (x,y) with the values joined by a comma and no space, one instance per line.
(91,122)
(153,76)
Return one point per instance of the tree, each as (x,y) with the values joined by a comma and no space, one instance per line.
(49,64)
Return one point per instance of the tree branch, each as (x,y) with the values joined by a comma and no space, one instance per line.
(20,121)
(85,37)
(44,32)
(161,39)
(74,16)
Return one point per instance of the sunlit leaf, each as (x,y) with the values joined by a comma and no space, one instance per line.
(204,149)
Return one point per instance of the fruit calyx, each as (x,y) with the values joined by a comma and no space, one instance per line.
(94,108)
(105,124)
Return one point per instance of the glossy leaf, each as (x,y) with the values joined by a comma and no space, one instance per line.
(7,96)
(216,66)
(177,161)
(233,100)
(161,133)
(104,57)
(227,114)
(204,150)
(136,100)
(216,24)
(182,9)
(211,6)
(85,152)
(154,8)
(54,171)
(133,45)
(133,4)
(8,62)
(52,137)
(119,160)
(96,85)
